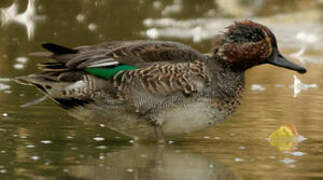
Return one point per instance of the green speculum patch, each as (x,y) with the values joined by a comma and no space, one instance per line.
(109,72)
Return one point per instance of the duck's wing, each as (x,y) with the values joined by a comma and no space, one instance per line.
(115,56)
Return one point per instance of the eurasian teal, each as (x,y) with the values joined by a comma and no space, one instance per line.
(146,89)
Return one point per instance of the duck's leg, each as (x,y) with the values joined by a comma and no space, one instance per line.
(159,134)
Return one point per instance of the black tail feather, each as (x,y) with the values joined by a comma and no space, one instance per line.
(57,49)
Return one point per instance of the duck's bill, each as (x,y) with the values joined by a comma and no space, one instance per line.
(281,61)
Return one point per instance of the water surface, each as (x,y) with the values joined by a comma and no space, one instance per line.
(43,142)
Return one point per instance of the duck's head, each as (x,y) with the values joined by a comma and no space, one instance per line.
(246,44)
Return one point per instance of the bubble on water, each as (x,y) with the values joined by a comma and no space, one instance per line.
(69,137)
(30,146)
(101,157)
(65,170)
(101,147)
(287,161)
(102,125)
(279,85)
(206,137)
(131,141)
(23,137)
(272,157)
(217,138)
(46,141)
(157,4)
(8,91)
(18,66)
(4,86)
(130,170)
(152,33)
(242,147)
(176,7)
(4,114)
(80,17)
(170,142)
(98,139)
(238,159)
(298,153)
(92,27)
(144,155)
(22,60)
(35,158)
(3,151)
(211,166)
(3,171)
(306,37)
(74,148)
(257,87)
(5,80)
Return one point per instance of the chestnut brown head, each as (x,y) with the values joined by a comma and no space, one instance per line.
(246,44)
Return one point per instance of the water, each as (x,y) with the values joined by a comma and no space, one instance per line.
(43,142)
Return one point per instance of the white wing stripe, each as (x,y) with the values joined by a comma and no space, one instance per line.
(104,64)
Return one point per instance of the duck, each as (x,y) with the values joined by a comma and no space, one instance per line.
(150,89)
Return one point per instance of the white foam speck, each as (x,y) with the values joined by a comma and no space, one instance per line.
(4,114)
(287,161)
(152,33)
(279,85)
(206,137)
(306,37)
(18,66)
(102,125)
(4,86)
(170,142)
(22,59)
(242,147)
(98,139)
(69,137)
(238,159)
(131,141)
(30,146)
(292,166)
(80,17)
(157,4)
(257,87)
(4,79)
(130,170)
(46,141)
(211,166)
(92,27)
(298,153)
(101,147)
(101,157)
(272,157)
(3,171)
(299,86)
(35,158)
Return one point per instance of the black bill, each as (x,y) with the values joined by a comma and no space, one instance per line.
(281,61)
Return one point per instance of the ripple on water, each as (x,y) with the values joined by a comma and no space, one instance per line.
(4,86)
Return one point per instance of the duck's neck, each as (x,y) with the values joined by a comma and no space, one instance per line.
(227,84)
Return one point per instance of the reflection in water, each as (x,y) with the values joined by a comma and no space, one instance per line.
(146,162)
(84,149)
(27,18)
(285,138)
(299,86)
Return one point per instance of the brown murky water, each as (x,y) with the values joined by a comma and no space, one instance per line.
(43,142)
